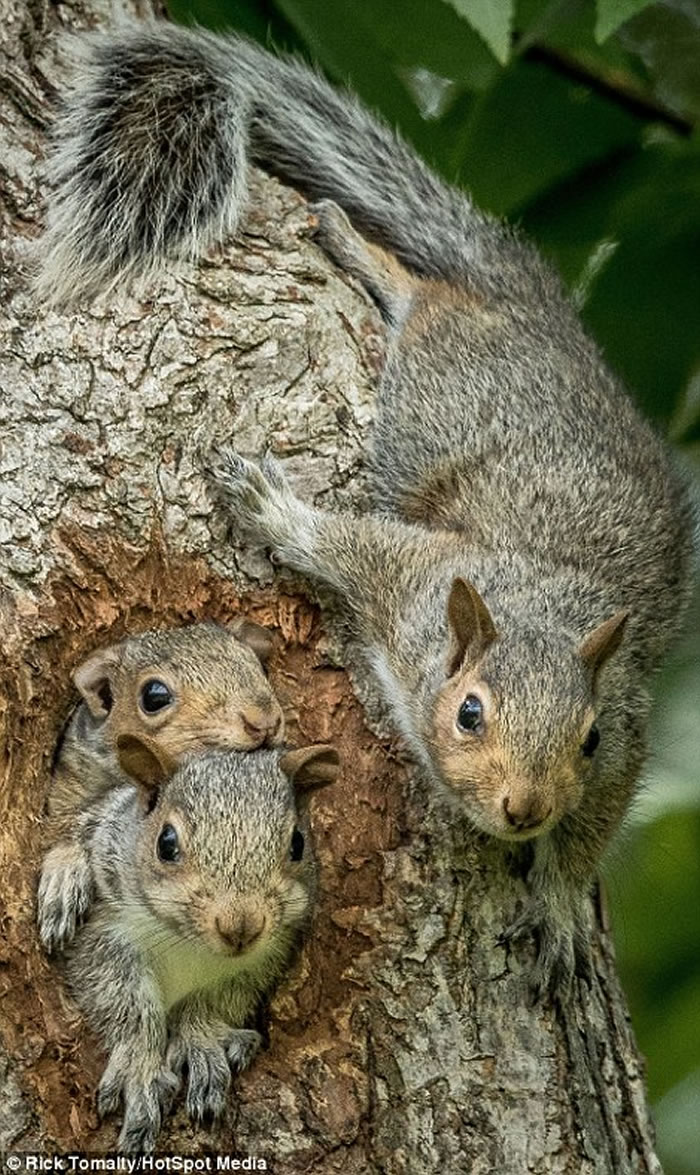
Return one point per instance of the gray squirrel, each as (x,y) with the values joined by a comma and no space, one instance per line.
(178,690)
(527,563)
(204,883)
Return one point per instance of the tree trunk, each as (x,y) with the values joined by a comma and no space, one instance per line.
(405,1041)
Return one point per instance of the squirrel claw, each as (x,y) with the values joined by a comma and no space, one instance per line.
(65,895)
(553,973)
(208,1082)
(242,1048)
(147,1093)
(260,500)
(562,950)
(240,483)
(109,1094)
(209,1064)
(236,479)
(272,470)
(333,230)
(520,928)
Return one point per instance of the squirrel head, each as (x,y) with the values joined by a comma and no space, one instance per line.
(185,688)
(223,853)
(515,730)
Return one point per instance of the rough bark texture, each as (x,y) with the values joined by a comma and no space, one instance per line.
(405,1041)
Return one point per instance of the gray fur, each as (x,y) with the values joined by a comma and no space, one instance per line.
(218,677)
(125,965)
(533,477)
(504,451)
(150,161)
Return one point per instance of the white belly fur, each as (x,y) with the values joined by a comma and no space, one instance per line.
(179,967)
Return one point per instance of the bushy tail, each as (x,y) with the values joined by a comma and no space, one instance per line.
(151,153)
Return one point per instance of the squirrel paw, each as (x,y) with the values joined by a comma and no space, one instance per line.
(65,894)
(242,1047)
(147,1093)
(563,949)
(209,1063)
(259,498)
(208,1080)
(382,275)
(335,234)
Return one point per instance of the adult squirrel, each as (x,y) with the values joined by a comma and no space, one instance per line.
(178,690)
(205,880)
(528,563)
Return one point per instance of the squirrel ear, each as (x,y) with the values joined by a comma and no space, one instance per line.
(145,763)
(94,680)
(257,638)
(603,641)
(471,628)
(311,767)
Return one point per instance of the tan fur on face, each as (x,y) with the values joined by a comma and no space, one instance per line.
(485,773)
(199,717)
(180,893)
(222,698)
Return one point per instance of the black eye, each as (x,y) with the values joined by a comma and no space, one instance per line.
(592,739)
(296,851)
(168,844)
(155,696)
(470,715)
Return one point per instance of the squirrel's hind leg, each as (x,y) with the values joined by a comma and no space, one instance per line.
(385,279)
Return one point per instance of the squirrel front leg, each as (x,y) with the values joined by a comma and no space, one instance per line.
(348,554)
(203,1041)
(66,889)
(556,914)
(118,995)
(66,884)
(562,878)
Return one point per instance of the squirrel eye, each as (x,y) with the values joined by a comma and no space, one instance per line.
(168,844)
(588,748)
(296,851)
(470,716)
(155,696)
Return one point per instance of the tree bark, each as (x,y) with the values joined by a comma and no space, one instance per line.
(405,1041)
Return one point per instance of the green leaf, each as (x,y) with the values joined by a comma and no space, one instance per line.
(414,34)
(613,13)
(653,880)
(492,19)
(530,130)
(641,304)
(667,40)
(348,51)
(569,29)
(252,18)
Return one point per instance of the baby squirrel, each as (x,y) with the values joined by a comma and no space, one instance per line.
(528,563)
(176,691)
(205,879)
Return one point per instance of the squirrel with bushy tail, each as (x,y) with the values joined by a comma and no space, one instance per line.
(528,559)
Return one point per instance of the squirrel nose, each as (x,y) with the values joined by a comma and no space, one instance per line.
(240,933)
(523,811)
(261,727)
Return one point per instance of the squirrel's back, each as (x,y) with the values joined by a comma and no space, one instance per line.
(499,419)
